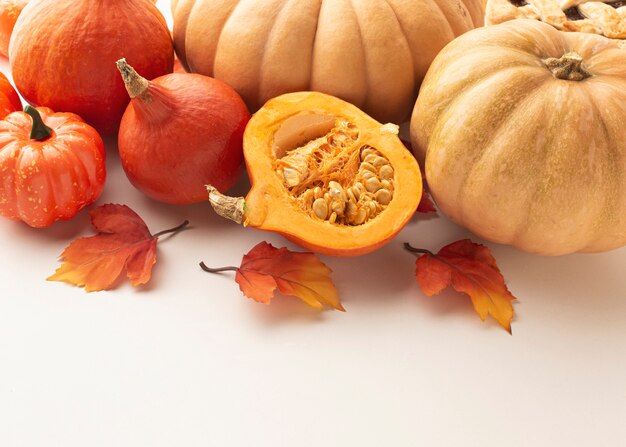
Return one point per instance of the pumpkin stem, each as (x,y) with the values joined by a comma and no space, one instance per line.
(135,84)
(233,208)
(568,67)
(39,131)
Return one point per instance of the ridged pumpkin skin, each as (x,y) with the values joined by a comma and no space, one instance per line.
(371,53)
(519,156)
(63,54)
(49,179)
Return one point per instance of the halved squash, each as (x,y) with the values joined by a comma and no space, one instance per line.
(325,175)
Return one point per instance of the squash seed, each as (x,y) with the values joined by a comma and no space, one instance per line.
(373,184)
(383,196)
(320,208)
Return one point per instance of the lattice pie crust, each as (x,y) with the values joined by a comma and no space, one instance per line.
(606,18)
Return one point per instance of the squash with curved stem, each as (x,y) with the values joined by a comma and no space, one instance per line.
(371,53)
(180,132)
(523,132)
(325,175)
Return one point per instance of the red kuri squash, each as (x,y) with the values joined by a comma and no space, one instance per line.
(63,52)
(181,132)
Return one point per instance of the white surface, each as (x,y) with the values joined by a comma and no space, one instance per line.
(188,361)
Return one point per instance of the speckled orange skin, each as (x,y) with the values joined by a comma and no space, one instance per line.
(63,54)
(49,180)
(371,53)
(518,156)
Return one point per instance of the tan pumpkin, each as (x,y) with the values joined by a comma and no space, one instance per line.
(372,53)
(523,131)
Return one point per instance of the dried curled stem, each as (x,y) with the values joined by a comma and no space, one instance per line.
(232,208)
(135,84)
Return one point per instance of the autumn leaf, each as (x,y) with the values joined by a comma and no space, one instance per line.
(123,242)
(267,268)
(471,269)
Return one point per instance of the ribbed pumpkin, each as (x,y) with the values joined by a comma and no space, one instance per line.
(523,129)
(372,53)
(63,54)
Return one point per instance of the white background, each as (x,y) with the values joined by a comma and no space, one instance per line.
(188,361)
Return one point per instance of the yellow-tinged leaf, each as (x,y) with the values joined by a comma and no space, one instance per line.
(471,269)
(123,243)
(266,268)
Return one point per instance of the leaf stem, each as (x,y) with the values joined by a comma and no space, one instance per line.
(204,267)
(174,230)
(408,247)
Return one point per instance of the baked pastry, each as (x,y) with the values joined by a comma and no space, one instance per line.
(607,18)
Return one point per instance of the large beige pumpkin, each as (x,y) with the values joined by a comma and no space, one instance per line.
(372,53)
(523,130)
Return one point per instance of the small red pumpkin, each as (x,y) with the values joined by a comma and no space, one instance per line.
(52,166)
(181,132)
(9,99)
(62,54)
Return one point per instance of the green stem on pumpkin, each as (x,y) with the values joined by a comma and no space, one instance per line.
(39,131)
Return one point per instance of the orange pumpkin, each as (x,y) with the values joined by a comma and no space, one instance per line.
(523,132)
(372,53)
(325,175)
(52,166)
(63,54)
(9,99)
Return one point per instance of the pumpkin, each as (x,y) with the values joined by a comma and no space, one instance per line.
(372,53)
(325,175)
(523,132)
(9,99)
(9,12)
(52,164)
(180,132)
(63,54)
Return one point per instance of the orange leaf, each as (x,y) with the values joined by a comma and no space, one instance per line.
(123,242)
(266,268)
(471,269)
